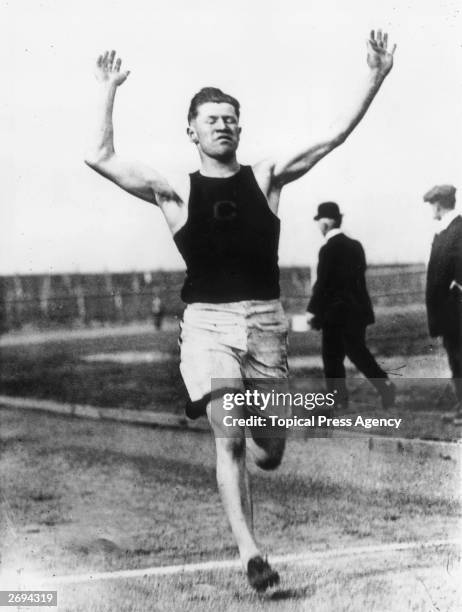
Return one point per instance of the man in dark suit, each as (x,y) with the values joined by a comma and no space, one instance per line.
(444,282)
(342,309)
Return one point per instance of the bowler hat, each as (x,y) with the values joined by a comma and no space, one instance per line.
(441,193)
(329,210)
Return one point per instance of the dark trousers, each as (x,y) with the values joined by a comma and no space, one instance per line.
(453,345)
(339,342)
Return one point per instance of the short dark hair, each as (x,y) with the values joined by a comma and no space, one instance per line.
(210,94)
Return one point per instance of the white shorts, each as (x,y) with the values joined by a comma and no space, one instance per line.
(233,341)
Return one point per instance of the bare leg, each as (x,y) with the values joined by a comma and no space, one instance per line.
(234,487)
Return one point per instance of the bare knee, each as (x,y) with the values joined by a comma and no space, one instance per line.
(270,462)
(270,453)
(231,447)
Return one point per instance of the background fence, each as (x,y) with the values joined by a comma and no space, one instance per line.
(113,298)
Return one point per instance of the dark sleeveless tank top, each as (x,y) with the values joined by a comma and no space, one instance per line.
(230,241)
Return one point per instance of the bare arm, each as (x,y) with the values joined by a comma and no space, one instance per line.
(136,178)
(380,62)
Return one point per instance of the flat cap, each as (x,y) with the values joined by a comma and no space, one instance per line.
(445,193)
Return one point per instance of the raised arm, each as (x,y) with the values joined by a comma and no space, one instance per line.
(380,61)
(136,178)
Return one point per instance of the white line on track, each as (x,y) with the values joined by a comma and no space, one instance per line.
(291,559)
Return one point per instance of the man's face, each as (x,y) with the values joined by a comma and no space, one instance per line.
(436,210)
(216,130)
(325,224)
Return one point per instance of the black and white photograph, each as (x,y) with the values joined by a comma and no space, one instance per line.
(231,306)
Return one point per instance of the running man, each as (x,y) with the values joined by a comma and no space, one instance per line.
(225,226)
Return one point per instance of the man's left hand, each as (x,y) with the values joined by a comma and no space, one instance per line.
(378,56)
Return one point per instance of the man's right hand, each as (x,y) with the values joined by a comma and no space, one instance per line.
(108,69)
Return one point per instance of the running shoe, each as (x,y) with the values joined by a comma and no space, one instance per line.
(260,574)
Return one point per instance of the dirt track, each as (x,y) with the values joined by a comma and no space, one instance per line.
(85,496)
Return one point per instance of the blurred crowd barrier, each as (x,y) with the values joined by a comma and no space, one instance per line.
(81,300)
